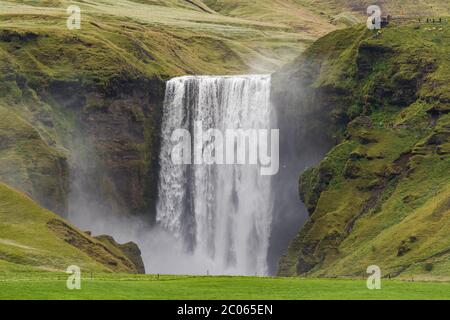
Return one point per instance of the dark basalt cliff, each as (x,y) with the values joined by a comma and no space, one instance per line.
(115,154)
(104,140)
(68,123)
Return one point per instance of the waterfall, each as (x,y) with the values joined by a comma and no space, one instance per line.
(221,214)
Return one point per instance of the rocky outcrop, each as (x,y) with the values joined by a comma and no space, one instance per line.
(109,254)
(37,239)
(129,249)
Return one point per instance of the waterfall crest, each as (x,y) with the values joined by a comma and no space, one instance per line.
(222,214)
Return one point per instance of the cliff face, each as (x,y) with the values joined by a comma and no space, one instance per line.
(380,195)
(115,145)
(68,126)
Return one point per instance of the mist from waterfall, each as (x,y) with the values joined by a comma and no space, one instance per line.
(213,218)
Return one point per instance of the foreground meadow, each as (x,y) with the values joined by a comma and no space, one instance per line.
(153,287)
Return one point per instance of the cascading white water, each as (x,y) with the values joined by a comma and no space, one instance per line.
(222,214)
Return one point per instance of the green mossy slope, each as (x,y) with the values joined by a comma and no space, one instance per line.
(381,195)
(32,238)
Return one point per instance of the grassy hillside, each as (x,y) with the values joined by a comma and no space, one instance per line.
(151,287)
(381,195)
(310,15)
(176,37)
(393,7)
(287,12)
(32,239)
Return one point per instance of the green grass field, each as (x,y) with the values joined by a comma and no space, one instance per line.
(115,286)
